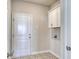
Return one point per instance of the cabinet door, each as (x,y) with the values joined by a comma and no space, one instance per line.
(54,18)
(50,18)
(58,17)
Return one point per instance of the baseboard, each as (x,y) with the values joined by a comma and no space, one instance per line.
(39,52)
(46,51)
(54,54)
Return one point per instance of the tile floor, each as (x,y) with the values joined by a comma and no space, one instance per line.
(38,56)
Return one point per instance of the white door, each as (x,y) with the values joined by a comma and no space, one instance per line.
(22,30)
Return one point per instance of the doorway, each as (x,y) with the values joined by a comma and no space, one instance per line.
(21,34)
(37,29)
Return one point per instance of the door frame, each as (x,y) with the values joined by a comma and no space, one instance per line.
(65,26)
(64,4)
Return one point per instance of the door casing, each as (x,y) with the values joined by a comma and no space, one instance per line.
(65,28)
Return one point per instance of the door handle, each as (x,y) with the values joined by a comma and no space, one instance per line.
(29,34)
(68,48)
(10,54)
(29,37)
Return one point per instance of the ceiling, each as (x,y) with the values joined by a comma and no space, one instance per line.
(42,2)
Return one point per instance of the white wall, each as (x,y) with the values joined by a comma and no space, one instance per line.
(8,25)
(40,13)
(55,43)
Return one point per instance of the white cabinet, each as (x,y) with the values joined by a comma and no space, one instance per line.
(54,17)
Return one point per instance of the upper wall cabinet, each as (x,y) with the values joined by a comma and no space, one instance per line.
(54,17)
